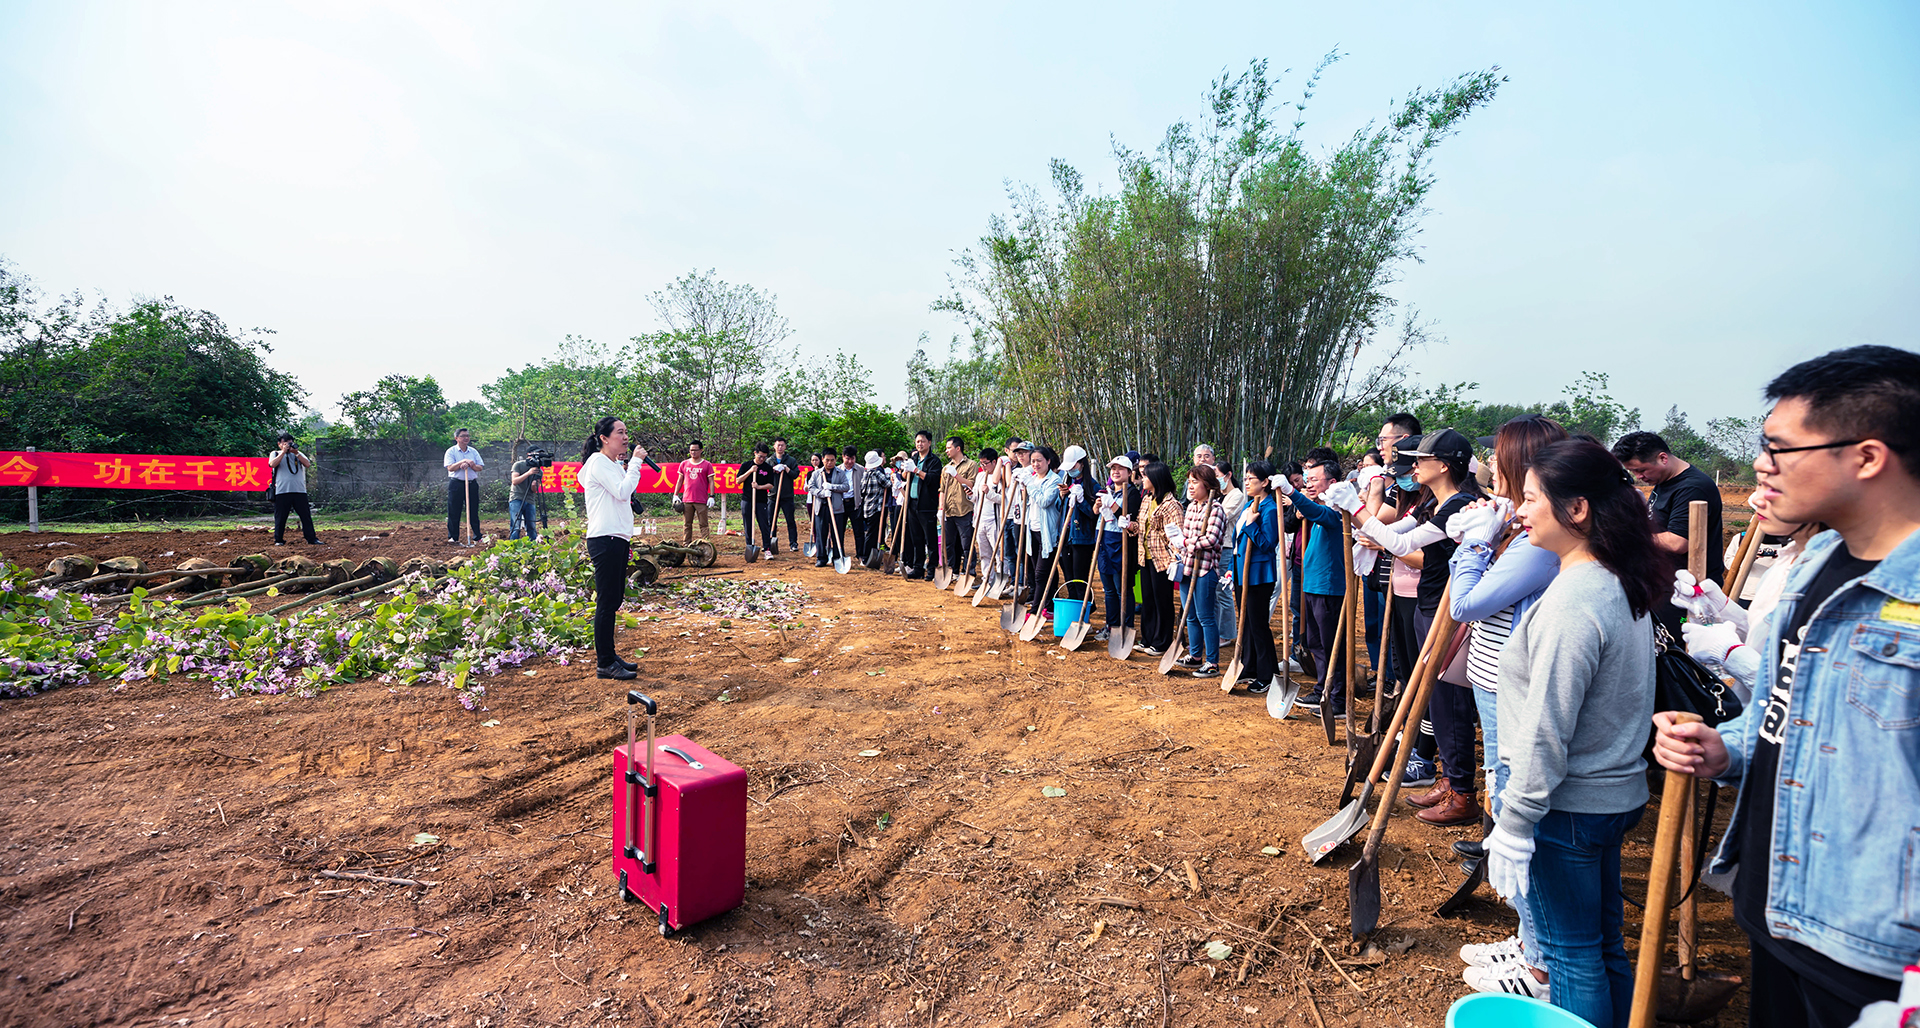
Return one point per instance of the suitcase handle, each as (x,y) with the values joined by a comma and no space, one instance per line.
(650,787)
(683,755)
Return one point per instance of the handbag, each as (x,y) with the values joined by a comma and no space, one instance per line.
(1683,683)
(1454,666)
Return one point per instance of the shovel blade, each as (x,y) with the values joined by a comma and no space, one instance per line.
(1120,643)
(1323,840)
(1280,696)
(1010,617)
(980,594)
(753,553)
(1690,1002)
(1075,636)
(1230,676)
(1172,656)
(1326,714)
(1363,896)
(942,578)
(888,563)
(843,564)
(1476,873)
(810,549)
(875,559)
(1030,630)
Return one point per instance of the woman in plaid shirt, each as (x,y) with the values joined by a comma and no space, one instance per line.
(1201,535)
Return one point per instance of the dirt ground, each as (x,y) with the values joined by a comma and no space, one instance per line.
(162,854)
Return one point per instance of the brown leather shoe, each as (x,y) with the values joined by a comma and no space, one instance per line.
(1441,792)
(1461,808)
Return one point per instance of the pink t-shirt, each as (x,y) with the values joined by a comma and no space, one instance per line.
(696,480)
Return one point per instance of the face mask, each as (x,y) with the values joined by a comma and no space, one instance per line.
(1407,484)
(1075,473)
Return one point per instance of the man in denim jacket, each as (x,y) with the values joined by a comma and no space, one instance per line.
(1826,829)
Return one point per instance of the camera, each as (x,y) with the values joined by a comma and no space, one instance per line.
(537,458)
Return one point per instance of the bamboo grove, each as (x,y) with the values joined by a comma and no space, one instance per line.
(1226,293)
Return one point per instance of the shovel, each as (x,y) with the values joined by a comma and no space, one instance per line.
(1077,632)
(1353,814)
(1010,614)
(1283,690)
(1031,630)
(889,557)
(842,563)
(1476,874)
(1120,641)
(963,582)
(1674,797)
(1356,633)
(1383,705)
(1178,648)
(1363,880)
(1231,675)
(942,575)
(1333,654)
(990,582)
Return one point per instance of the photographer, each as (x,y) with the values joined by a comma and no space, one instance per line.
(609,487)
(463,464)
(520,488)
(290,489)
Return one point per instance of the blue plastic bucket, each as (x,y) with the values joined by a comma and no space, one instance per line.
(1066,612)
(1498,1010)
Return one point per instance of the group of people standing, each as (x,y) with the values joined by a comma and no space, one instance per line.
(1562,577)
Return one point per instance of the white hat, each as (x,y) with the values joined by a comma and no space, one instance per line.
(1121,461)
(1073,456)
(873,460)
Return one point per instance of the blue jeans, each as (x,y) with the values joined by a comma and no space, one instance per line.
(520,512)
(1202,629)
(1488,704)
(1574,890)
(1375,607)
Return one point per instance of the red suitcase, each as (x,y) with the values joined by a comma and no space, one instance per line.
(679,826)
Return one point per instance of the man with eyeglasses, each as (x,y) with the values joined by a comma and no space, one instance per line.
(1397,427)
(1676,484)
(1827,758)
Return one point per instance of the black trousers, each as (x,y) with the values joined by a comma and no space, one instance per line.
(1260,660)
(1784,997)
(296,503)
(1157,623)
(920,550)
(793,529)
(609,556)
(472,504)
(1077,576)
(959,533)
(1043,584)
(857,529)
(763,516)
(1319,617)
(829,536)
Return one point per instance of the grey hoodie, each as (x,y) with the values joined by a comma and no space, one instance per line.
(1576,702)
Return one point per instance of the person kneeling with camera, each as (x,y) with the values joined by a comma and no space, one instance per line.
(609,486)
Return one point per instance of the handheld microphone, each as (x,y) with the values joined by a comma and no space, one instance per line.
(649,462)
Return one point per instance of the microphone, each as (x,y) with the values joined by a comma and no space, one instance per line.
(649,462)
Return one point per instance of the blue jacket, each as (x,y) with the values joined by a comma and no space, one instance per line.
(1082,523)
(1844,873)
(1263,535)
(1516,580)
(1323,568)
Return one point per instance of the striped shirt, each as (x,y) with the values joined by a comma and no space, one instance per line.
(1484,646)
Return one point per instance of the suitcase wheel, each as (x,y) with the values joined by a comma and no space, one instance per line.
(626,894)
(666,929)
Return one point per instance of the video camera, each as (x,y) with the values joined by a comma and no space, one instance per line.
(538,458)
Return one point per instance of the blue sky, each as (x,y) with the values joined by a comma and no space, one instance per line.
(1687,197)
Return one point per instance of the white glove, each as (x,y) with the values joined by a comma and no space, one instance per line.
(1342,495)
(1123,522)
(1711,643)
(1480,524)
(1703,601)
(713,502)
(1363,559)
(1509,856)
(1282,484)
(1077,492)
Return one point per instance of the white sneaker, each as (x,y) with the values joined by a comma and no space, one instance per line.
(1491,954)
(1513,978)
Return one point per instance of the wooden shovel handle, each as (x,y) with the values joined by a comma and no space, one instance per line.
(1424,676)
(1666,854)
(1697,540)
(1743,559)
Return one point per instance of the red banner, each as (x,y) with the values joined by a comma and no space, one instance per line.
(133,471)
(564,477)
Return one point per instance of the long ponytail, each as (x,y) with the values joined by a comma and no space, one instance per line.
(601,430)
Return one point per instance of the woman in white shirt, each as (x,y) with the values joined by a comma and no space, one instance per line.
(609,487)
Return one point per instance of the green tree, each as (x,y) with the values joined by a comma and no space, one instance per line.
(1226,291)
(559,399)
(398,407)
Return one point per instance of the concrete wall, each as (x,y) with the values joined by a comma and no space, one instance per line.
(407,475)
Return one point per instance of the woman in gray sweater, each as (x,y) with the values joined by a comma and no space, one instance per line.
(1576,697)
